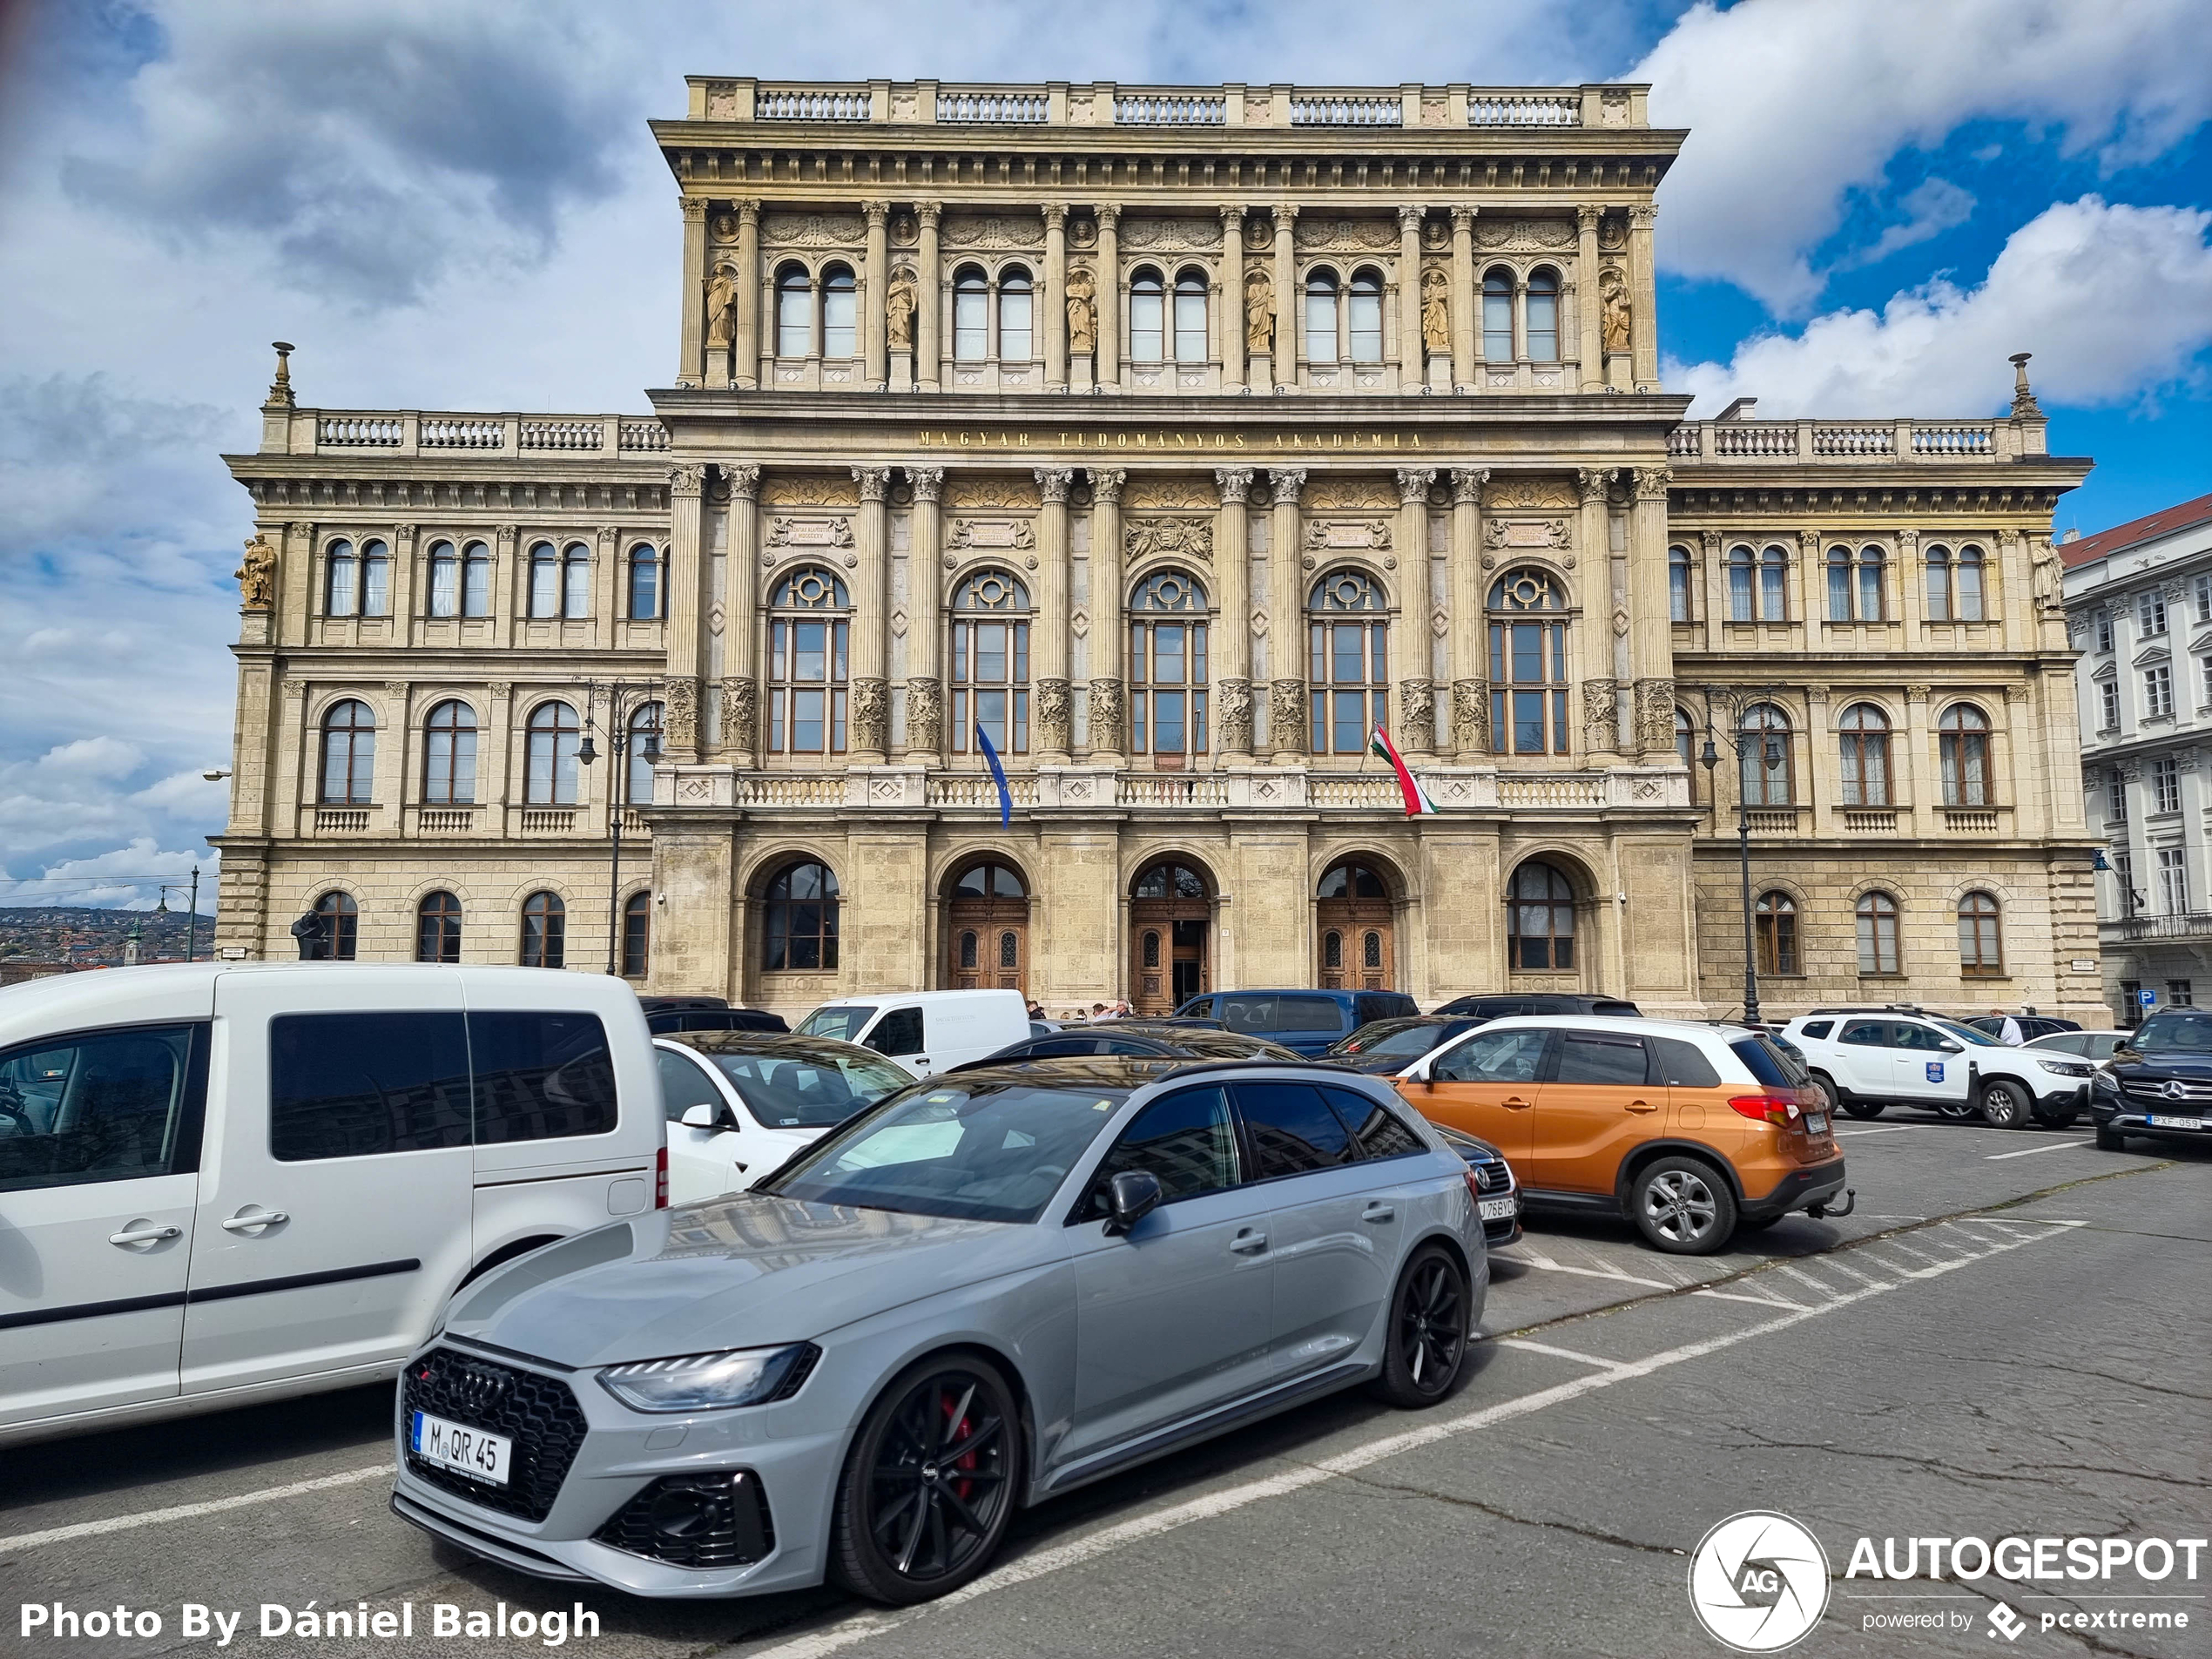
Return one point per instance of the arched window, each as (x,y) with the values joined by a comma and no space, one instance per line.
(376,579)
(1544,316)
(1775,918)
(341,580)
(476,580)
(1321,316)
(1876,920)
(449,755)
(1348,672)
(799,920)
(1167,667)
(1682,585)
(1168,881)
(971,315)
(636,933)
(1769,779)
(544,931)
(644,751)
(838,313)
(445,580)
(1873,592)
(1351,879)
(1016,315)
(1686,748)
(1332,949)
(795,313)
(1497,317)
(545,579)
(1365,316)
(1963,738)
(1856,592)
(1759,584)
(1981,942)
(1540,920)
(990,663)
(341,922)
(1527,663)
(575,581)
(991,879)
(1865,744)
(808,665)
(644,582)
(348,754)
(550,756)
(1190,317)
(1147,316)
(1151,948)
(437,929)
(970,951)
(1774,583)
(1955,592)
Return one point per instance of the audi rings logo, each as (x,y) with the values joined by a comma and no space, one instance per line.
(480,1388)
(1759,1582)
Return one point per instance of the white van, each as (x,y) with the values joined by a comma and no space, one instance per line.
(223,1182)
(925,1031)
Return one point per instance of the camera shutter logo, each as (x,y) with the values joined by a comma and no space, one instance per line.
(1759,1582)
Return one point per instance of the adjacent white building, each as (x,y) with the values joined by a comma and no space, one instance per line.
(2139,606)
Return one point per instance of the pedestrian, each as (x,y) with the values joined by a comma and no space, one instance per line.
(1037,1009)
(2008,1032)
(1098,1012)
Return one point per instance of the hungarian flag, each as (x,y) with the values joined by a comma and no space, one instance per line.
(1416,800)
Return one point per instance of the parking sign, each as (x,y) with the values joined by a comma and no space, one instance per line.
(2149,999)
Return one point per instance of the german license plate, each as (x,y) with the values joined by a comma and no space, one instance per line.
(462,1449)
(1815,1123)
(2176,1123)
(1498,1209)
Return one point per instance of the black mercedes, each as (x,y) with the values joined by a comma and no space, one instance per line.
(2158,1081)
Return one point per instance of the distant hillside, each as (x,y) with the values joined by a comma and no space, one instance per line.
(81,933)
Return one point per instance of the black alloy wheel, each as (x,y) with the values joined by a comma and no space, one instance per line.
(2110,1140)
(929,1484)
(1428,1331)
(2005,1104)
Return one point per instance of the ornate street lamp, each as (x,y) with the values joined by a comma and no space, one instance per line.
(618,737)
(1768,744)
(191,915)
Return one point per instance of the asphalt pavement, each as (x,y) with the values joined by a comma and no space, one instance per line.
(2009,1338)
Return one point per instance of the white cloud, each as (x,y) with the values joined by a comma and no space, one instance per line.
(1931,207)
(1791,104)
(2114,300)
(101,757)
(129,877)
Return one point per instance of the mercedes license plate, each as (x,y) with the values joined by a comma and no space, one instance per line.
(1815,1123)
(1498,1209)
(2157,1121)
(462,1449)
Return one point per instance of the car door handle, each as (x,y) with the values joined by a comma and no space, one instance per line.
(249,1224)
(1248,1243)
(1641,1106)
(1378,1211)
(146,1236)
(1513,1104)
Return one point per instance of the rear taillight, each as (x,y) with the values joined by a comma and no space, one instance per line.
(660,1180)
(1779,1110)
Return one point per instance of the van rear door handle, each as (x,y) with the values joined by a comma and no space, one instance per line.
(258,1219)
(1641,1106)
(144,1236)
(1248,1243)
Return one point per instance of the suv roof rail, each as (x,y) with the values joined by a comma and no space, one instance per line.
(1871,1007)
(1261,1061)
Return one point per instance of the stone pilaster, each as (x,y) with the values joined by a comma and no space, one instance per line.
(1416,651)
(1463,298)
(874,323)
(868,728)
(1470,659)
(744,368)
(1109,729)
(740,626)
(1052,303)
(929,303)
(691,360)
(1289,325)
(686,610)
(1588,318)
(1230,646)
(1107,369)
(925,629)
(1286,592)
(1650,631)
(1410,367)
(1643,323)
(1055,741)
(1229,301)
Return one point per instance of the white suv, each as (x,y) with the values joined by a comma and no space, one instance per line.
(1864,1059)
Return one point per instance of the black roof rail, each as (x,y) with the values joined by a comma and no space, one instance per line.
(1261,1061)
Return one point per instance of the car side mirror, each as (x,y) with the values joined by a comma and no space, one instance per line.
(1949,1046)
(1130,1197)
(710,1117)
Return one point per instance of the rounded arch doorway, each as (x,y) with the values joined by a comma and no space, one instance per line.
(1171,936)
(987,932)
(1352,915)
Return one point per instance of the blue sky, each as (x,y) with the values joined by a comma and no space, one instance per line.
(446,208)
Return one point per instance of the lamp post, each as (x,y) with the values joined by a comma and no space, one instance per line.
(1735,703)
(192,915)
(617,735)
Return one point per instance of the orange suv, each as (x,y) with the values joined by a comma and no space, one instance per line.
(1688,1130)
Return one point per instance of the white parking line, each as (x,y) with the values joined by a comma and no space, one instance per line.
(2029,1152)
(1763,1301)
(1536,1259)
(1887,1129)
(188,1511)
(1803,1278)
(1561,1354)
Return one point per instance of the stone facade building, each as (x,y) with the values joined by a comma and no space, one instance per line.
(2139,602)
(1174,438)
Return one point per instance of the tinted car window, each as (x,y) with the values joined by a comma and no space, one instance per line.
(1046,1048)
(1408,1041)
(1186,1139)
(102,1106)
(2191,1033)
(683,1085)
(1494,1057)
(807,1091)
(1382,1135)
(1128,1046)
(1683,1065)
(1771,1066)
(900,1032)
(1586,1059)
(1867,1034)
(360,1085)
(839,1020)
(1817,1030)
(1293,1129)
(540,1076)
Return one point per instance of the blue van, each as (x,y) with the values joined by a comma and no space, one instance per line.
(1308,1021)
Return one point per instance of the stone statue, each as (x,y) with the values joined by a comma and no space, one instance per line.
(1082,315)
(722,307)
(2048,573)
(1613,297)
(1259,313)
(256,576)
(1436,313)
(899,310)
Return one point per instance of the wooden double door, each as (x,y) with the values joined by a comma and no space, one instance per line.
(986,934)
(1353,936)
(1170,938)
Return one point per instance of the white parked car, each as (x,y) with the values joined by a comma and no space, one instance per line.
(224,1183)
(925,1031)
(739,1103)
(1865,1059)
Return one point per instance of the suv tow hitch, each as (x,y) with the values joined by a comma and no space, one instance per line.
(1821,1212)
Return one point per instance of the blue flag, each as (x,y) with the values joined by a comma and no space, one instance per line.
(998,775)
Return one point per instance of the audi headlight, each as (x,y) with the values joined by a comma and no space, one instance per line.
(709,1382)
(2065,1068)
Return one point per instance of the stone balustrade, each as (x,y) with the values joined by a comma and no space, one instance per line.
(408,432)
(1855,441)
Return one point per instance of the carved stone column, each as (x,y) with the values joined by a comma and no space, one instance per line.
(1052,307)
(690,356)
(1651,646)
(1107,371)
(1412,370)
(740,628)
(925,627)
(1811,595)
(1286,591)
(928,286)
(875,323)
(1287,326)
(1056,739)
(746,353)
(1470,659)
(1643,335)
(1232,645)
(1588,321)
(1463,300)
(1109,726)
(1416,712)
(1229,309)
(686,613)
(868,735)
